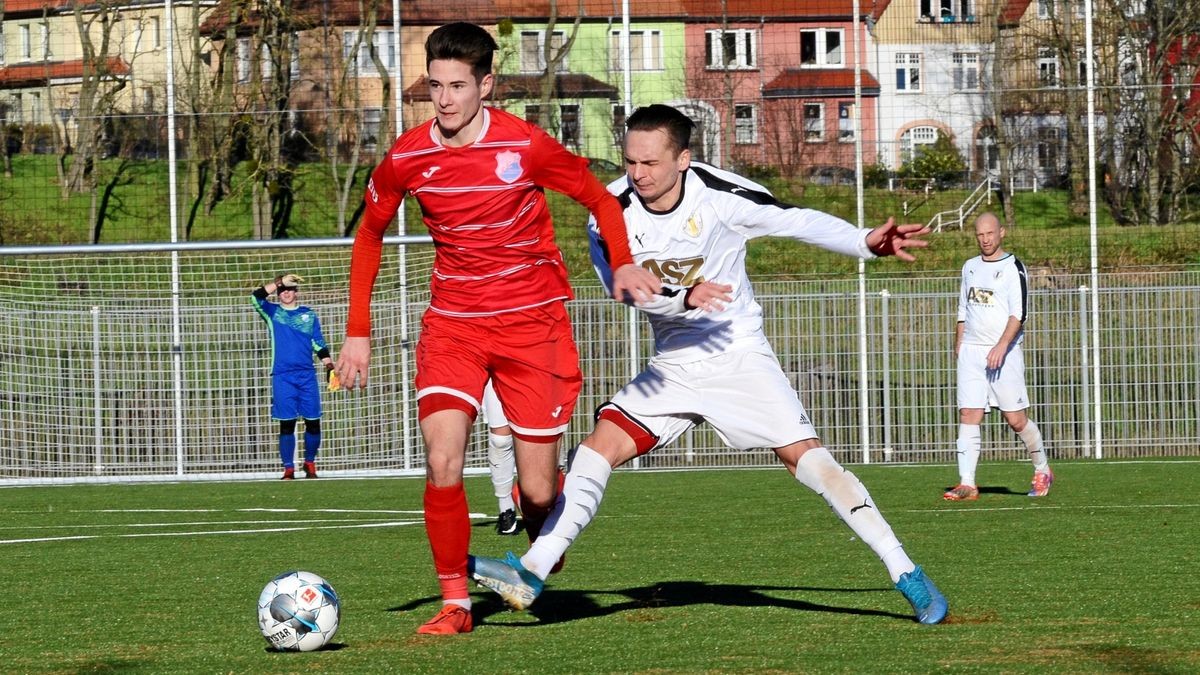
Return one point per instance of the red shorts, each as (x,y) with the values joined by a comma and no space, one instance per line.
(529,355)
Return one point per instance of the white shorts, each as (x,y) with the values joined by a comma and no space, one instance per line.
(980,388)
(493,412)
(744,396)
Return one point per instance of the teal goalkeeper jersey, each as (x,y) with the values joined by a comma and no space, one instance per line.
(295,335)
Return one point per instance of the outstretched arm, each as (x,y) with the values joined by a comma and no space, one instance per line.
(892,239)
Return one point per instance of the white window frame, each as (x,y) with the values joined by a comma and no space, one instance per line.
(822,57)
(3,47)
(35,107)
(44,32)
(847,112)
(26,42)
(645,50)
(1084,64)
(946,11)
(294,61)
(909,64)
(745,124)
(384,41)
(556,41)
(371,124)
(243,56)
(965,67)
(915,137)
(1048,67)
(814,126)
(745,49)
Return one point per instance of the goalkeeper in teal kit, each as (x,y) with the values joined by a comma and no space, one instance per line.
(295,336)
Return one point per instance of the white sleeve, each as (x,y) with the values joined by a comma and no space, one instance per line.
(962,295)
(755,217)
(751,210)
(670,302)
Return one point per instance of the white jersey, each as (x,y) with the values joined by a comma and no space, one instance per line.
(991,292)
(704,239)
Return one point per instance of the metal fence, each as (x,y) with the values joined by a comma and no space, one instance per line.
(151,364)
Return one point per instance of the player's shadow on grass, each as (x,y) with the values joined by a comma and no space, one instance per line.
(560,606)
(992,490)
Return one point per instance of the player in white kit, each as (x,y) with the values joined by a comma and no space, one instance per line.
(689,223)
(992,304)
(502,461)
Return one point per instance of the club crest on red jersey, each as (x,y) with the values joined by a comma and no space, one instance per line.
(508,166)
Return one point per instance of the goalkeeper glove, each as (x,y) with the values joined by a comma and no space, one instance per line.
(331,379)
(289,280)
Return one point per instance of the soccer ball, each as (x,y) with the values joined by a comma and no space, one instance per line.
(298,611)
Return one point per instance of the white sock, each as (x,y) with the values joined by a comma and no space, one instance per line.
(465,603)
(574,509)
(503,464)
(1031,436)
(969,442)
(841,489)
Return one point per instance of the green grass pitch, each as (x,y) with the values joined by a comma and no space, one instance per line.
(716,571)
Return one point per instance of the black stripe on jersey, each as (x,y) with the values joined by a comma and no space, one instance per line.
(625,198)
(722,185)
(1024,287)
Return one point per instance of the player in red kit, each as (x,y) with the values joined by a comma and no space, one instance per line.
(498,290)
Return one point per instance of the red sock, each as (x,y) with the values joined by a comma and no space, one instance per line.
(448,525)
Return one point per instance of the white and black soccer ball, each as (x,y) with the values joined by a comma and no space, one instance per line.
(298,611)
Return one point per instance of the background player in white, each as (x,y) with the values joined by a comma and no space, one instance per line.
(502,461)
(689,224)
(991,367)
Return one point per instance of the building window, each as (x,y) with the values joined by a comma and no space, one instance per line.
(384,42)
(568,131)
(147,99)
(26,43)
(821,47)
(645,50)
(368,134)
(846,122)
(1048,147)
(731,49)
(44,30)
(294,61)
(3,47)
(913,140)
(908,72)
(745,124)
(533,114)
(618,122)
(1047,66)
(814,122)
(243,59)
(533,43)
(987,153)
(1084,64)
(155,27)
(947,11)
(965,71)
(35,107)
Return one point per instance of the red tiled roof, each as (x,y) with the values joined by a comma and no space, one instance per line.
(797,82)
(30,74)
(697,9)
(528,87)
(1012,11)
(19,6)
(308,13)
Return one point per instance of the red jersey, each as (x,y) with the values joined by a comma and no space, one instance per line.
(485,207)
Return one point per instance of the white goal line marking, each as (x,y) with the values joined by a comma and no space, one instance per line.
(207,532)
(1036,507)
(192,523)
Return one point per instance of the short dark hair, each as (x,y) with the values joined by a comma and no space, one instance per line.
(462,41)
(675,124)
